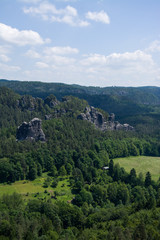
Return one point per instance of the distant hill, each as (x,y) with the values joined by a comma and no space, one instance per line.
(123,101)
(140,95)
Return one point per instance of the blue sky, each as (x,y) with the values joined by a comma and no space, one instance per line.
(87,42)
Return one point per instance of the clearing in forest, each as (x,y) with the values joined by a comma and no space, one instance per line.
(34,189)
(141,164)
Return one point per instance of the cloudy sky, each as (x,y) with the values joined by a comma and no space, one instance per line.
(86,42)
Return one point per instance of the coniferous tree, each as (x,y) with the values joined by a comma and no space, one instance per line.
(111,168)
(62,171)
(148,179)
(39,169)
(132,177)
(32,172)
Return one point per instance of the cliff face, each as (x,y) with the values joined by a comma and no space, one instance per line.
(92,115)
(31,131)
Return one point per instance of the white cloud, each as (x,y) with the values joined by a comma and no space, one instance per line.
(128,68)
(42,65)
(154,46)
(120,69)
(31,1)
(4,58)
(57,55)
(94,59)
(130,56)
(60,50)
(83,23)
(98,17)
(70,21)
(66,0)
(42,9)
(4,50)
(49,12)
(9,68)
(21,38)
(65,63)
(59,60)
(117,58)
(70,11)
(48,8)
(54,56)
(32,54)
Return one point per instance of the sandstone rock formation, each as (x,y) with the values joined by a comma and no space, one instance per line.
(31,131)
(29,103)
(92,115)
(51,101)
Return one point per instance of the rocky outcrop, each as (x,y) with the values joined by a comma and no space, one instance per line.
(56,114)
(115,125)
(51,101)
(29,103)
(92,115)
(31,131)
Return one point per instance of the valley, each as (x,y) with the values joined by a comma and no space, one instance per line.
(53,157)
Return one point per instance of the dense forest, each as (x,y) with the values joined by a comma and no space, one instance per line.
(108,203)
(123,101)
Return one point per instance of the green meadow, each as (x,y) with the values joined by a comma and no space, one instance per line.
(34,189)
(141,164)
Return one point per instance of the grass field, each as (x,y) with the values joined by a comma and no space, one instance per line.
(141,164)
(34,189)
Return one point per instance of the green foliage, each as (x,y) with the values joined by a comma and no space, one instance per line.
(32,173)
(53,171)
(111,168)
(62,171)
(148,179)
(54,183)
(47,182)
(82,199)
(12,202)
(6,171)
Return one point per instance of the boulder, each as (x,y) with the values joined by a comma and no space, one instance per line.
(31,131)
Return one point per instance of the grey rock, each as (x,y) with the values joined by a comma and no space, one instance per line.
(51,101)
(31,131)
(82,116)
(48,117)
(115,125)
(92,115)
(112,117)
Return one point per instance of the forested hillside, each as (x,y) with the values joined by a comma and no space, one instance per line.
(125,102)
(107,202)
